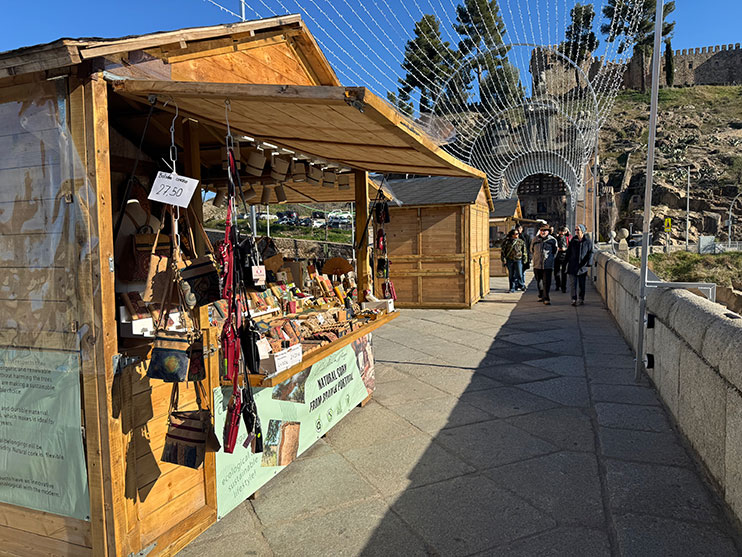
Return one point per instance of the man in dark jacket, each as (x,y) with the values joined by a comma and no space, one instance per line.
(543,252)
(514,256)
(579,259)
(560,264)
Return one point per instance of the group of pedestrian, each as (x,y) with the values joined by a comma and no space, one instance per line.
(559,255)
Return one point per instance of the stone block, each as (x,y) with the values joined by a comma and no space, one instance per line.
(632,416)
(722,347)
(651,535)
(560,541)
(660,302)
(456,517)
(317,485)
(643,446)
(702,411)
(488,444)
(732,481)
(368,528)
(692,319)
(667,491)
(567,428)
(565,485)
(667,348)
(405,463)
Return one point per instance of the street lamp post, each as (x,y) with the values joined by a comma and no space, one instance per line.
(729,222)
(687,212)
(651,144)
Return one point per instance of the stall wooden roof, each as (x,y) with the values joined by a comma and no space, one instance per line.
(346,125)
(170,49)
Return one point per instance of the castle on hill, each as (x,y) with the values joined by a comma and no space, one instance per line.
(712,65)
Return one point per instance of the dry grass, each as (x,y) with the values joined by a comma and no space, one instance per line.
(723,269)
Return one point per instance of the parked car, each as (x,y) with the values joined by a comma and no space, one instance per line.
(319,223)
(266,216)
(318,215)
(305,221)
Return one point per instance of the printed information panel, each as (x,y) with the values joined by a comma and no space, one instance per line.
(42,464)
(293,415)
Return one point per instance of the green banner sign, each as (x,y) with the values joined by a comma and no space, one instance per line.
(293,415)
(42,465)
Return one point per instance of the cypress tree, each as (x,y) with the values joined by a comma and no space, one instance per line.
(669,63)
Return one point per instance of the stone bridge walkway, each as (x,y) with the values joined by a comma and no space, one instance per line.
(510,429)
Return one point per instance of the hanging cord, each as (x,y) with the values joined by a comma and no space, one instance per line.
(132,177)
(232,170)
(371,209)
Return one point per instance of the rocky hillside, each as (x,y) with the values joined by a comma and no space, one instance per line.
(700,127)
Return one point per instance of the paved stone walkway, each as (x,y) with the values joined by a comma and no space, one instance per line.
(510,429)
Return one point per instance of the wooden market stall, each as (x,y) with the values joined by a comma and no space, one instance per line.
(73,114)
(505,215)
(438,242)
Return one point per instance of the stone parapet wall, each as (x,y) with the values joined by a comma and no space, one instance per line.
(697,349)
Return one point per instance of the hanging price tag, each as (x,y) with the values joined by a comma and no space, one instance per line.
(172,189)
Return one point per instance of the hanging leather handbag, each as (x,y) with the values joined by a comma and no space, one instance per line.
(382,267)
(171,351)
(196,366)
(380,240)
(198,278)
(232,422)
(252,269)
(171,356)
(388,290)
(159,273)
(190,434)
(382,212)
(252,421)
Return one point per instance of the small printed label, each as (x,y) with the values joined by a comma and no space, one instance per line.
(173,189)
(258,275)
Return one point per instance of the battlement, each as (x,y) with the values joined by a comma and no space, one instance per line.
(707,50)
(707,65)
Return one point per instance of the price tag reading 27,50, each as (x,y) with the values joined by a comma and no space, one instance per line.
(173,189)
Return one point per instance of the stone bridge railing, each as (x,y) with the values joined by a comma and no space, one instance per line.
(697,349)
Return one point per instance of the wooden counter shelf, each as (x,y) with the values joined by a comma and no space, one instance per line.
(321,353)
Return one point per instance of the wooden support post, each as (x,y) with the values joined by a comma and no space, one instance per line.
(103,430)
(362,211)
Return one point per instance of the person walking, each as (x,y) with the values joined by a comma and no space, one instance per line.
(579,259)
(527,239)
(543,253)
(514,255)
(560,263)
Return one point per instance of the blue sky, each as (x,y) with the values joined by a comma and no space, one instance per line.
(699,23)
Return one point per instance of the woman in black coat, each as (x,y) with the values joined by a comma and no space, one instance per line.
(579,259)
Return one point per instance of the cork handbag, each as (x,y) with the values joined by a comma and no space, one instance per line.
(190,434)
(198,278)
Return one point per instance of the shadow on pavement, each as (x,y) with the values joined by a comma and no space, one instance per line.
(542,444)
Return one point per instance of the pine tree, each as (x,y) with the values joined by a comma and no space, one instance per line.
(632,23)
(428,62)
(580,41)
(482,32)
(669,63)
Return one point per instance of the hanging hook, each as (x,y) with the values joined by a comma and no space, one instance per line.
(173,147)
(229,138)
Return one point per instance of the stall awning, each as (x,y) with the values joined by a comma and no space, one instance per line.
(347,125)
